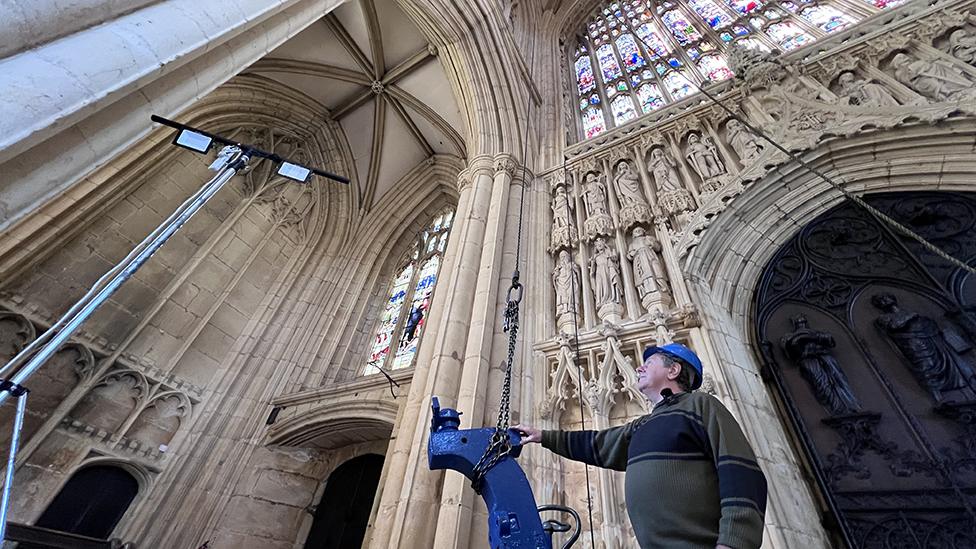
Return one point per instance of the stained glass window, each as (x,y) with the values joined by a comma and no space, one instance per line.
(632,57)
(715,67)
(608,62)
(680,27)
(623,109)
(711,13)
(584,74)
(744,6)
(788,35)
(593,123)
(401,323)
(636,56)
(827,18)
(678,84)
(650,97)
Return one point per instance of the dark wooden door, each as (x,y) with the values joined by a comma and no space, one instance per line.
(870,342)
(91,503)
(342,515)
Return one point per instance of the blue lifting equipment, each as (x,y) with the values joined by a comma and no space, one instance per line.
(513,519)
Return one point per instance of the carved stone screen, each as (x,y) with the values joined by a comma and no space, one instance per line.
(870,341)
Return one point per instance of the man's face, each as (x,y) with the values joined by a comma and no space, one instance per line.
(653,375)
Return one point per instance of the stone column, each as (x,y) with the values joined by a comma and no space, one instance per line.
(494,276)
(407,515)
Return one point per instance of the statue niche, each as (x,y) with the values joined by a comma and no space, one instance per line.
(561,235)
(633,207)
(935,79)
(811,350)
(649,273)
(598,220)
(922,344)
(745,144)
(607,288)
(566,283)
(671,194)
(111,401)
(703,156)
(859,92)
(156,425)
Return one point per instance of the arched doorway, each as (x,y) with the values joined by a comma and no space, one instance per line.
(343,512)
(92,502)
(870,341)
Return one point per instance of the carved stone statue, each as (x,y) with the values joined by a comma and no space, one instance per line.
(936,78)
(743,142)
(598,220)
(864,93)
(634,208)
(811,350)
(628,185)
(594,195)
(703,157)
(560,208)
(649,273)
(605,270)
(962,46)
(920,341)
(566,282)
(671,195)
(662,167)
(561,235)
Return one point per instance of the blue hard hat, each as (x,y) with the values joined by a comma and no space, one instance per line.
(682,353)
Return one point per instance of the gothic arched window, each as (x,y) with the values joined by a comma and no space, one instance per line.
(636,56)
(408,301)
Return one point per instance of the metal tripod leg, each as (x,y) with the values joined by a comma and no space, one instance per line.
(11,459)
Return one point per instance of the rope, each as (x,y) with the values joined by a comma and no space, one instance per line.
(579,368)
(878,216)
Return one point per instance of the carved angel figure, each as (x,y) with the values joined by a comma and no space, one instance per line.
(703,156)
(936,79)
(662,167)
(745,144)
(864,93)
(628,185)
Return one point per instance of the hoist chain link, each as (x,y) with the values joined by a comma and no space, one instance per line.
(501,444)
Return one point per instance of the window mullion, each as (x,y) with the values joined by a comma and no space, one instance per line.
(401,320)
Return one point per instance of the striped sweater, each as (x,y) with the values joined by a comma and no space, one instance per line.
(692,479)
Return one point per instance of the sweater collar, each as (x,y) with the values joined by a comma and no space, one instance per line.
(670,400)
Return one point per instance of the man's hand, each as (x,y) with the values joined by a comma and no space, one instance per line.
(528,434)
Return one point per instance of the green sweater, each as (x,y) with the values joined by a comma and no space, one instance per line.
(692,479)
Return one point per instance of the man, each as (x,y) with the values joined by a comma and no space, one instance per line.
(692,480)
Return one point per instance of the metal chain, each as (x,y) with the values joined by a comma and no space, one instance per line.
(501,444)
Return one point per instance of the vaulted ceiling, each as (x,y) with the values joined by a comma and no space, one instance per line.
(373,69)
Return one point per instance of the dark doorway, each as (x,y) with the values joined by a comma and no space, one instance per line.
(870,342)
(343,512)
(92,502)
